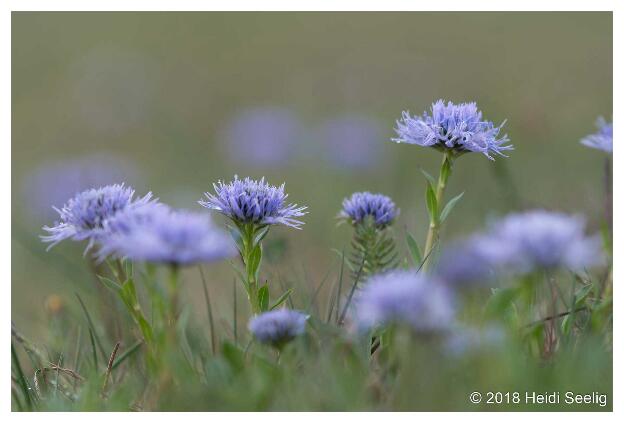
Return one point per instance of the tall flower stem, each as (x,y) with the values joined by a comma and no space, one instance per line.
(434,205)
(172,287)
(251,254)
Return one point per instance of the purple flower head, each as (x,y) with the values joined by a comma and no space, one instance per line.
(543,239)
(264,136)
(53,182)
(277,327)
(474,261)
(351,142)
(405,297)
(456,127)
(362,205)
(466,340)
(159,234)
(603,139)
(256,202)
(84,216)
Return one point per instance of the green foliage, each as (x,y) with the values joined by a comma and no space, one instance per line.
(372,249)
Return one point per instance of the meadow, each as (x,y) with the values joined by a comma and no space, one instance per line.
(275,212)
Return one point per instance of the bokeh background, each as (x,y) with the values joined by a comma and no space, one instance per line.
(172,102)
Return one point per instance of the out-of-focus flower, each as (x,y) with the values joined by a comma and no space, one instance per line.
(52,183)
(362,205)
(277,327)
(464,340)
(265,136)
(247,201)
(159,234)
(456,127)
(351,142)
(83,217)
(405,297)
(603,138)
(54,304)
(547,240)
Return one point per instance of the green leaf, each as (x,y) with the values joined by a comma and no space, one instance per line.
(432,203)
(110,284)
(413,249)
(263,297)
(500,301)
(127,353)
(261,234)
(253,265)
(428,176)
(449,206)
(581,295)
(281,299)
(445,171)
(233,355)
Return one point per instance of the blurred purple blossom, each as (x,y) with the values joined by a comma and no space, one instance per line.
(351,142)
(405,297)
(603,138)
(278,326)
(263,136)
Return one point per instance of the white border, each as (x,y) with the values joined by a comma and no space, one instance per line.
(333,5)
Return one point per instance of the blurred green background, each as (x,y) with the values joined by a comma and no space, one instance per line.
(157,95)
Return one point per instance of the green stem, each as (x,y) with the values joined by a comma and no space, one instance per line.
(248,233)
(173,293)
(434,221)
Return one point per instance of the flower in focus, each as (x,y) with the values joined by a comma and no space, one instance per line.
(159,234)
(277,327)
(547,239)
(362,205)
(351,141)
(265,136)
(603,139)
(247,201)
(405,297)
(83,217)
(456,127)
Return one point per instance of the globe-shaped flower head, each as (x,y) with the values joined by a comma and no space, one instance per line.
(158,234)
(405,297)
(456,127)
(247,201)
(278,327)
(363,205)
(83,217)
(603,139)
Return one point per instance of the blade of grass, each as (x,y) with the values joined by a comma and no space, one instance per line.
(235,317)
(213,345)
(339,293)
(95,359)
(350,297)
(91,326)
(20,376)
(135,347)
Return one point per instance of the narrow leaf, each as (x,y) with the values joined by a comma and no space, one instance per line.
(281,299)
(263,298)
(432,203)
(413,248)
(449,207)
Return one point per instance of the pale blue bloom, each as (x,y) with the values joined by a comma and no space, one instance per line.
(247,201)
(603,138)
(361,205)
(83,217)
(456,127)
(405,297)
(159,234)
(277,327)
(463,340)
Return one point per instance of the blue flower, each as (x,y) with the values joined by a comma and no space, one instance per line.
(278,326)
(159,234)
(405,297)
(83,217)
(361,205)
(456,127)
(603,139)
(247,201)
(544,239)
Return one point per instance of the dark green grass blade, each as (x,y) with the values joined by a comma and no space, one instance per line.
(20,376)
(134,348)
(340,278)
(92,327)
(93,349)
(213,345)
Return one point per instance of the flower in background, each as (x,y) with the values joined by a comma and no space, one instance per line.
(603,139)
(265,136)
(247,201)
(452,127)
(464,340)
(546,239)
(52,183)
(83,216)
(351,141)
(159,234)
(278,327)
(405,297)
(362,205)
